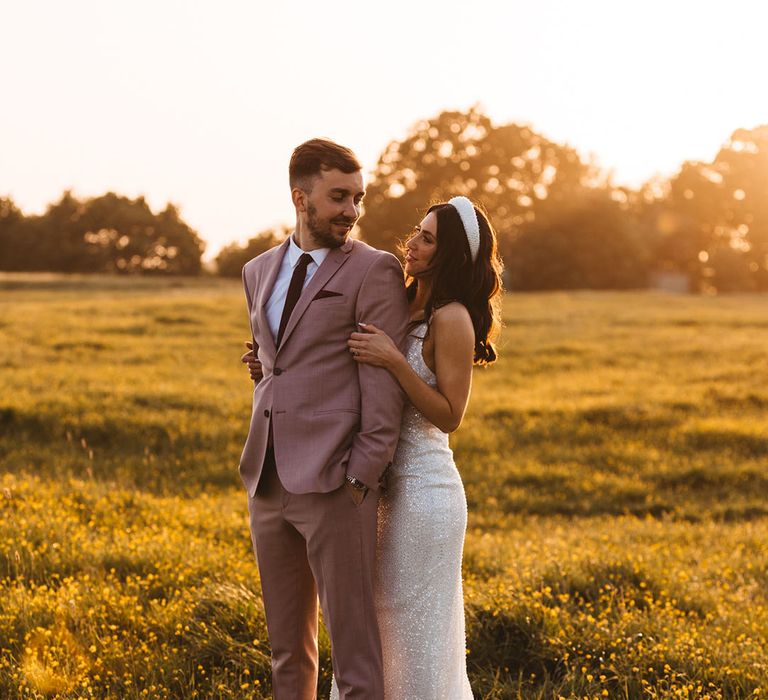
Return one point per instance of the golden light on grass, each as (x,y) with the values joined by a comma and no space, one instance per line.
(614,463)
(53,661)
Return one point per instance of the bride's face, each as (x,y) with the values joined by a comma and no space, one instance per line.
(421,247)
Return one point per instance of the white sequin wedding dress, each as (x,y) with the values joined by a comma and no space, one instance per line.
(419,598)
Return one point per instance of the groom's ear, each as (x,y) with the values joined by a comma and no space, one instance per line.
(299,197)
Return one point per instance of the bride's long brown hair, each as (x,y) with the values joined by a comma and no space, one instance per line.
(477,285)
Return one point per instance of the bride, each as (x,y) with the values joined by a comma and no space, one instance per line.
(453,286)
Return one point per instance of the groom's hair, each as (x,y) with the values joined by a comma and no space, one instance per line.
(313,156)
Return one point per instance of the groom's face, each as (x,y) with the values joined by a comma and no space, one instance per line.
(333,206)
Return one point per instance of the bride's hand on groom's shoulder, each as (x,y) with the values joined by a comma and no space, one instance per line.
(254,366)
(373,347)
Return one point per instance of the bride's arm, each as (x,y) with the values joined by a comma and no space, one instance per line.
(454,340)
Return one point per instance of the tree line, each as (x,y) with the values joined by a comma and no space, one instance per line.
(561,222)
(109,233)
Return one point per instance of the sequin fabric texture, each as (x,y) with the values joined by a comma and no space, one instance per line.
(419,598)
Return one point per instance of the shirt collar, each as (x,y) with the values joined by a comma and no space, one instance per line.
(294,253)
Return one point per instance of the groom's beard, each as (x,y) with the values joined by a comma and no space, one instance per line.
(322,231)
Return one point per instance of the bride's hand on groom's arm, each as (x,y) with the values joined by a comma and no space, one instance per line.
(254,366)
(374,347)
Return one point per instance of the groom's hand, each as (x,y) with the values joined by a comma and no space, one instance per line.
(356,488)
(357,494)
(254,366)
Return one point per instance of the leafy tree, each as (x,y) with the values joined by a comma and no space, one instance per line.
(717,214)
(104,234)
(587,243)
(11,233)
(560,223)
(175,235)
(673,238)
(28,244)
(123,235)
(510,170)
(231,258)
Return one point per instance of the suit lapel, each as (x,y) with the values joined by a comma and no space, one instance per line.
(333,261)
(269,275)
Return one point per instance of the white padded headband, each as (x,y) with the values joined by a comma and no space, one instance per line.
(468,218)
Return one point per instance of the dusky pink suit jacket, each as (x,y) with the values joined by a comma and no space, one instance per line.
(330,415)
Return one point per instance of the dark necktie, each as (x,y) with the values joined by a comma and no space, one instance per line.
(294,292)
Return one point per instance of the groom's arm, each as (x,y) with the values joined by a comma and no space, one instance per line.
(380,301)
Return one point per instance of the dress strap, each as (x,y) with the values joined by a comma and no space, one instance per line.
(419,329)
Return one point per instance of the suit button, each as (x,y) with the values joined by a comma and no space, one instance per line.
(266,413)
(277,371)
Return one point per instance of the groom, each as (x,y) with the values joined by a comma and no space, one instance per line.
(323,428)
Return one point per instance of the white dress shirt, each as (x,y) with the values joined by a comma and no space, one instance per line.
(276,301)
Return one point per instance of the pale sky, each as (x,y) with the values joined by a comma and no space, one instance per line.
(201,103)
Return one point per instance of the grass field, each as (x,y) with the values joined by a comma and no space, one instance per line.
(614,459)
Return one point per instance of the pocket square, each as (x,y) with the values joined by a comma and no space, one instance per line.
(326,294)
